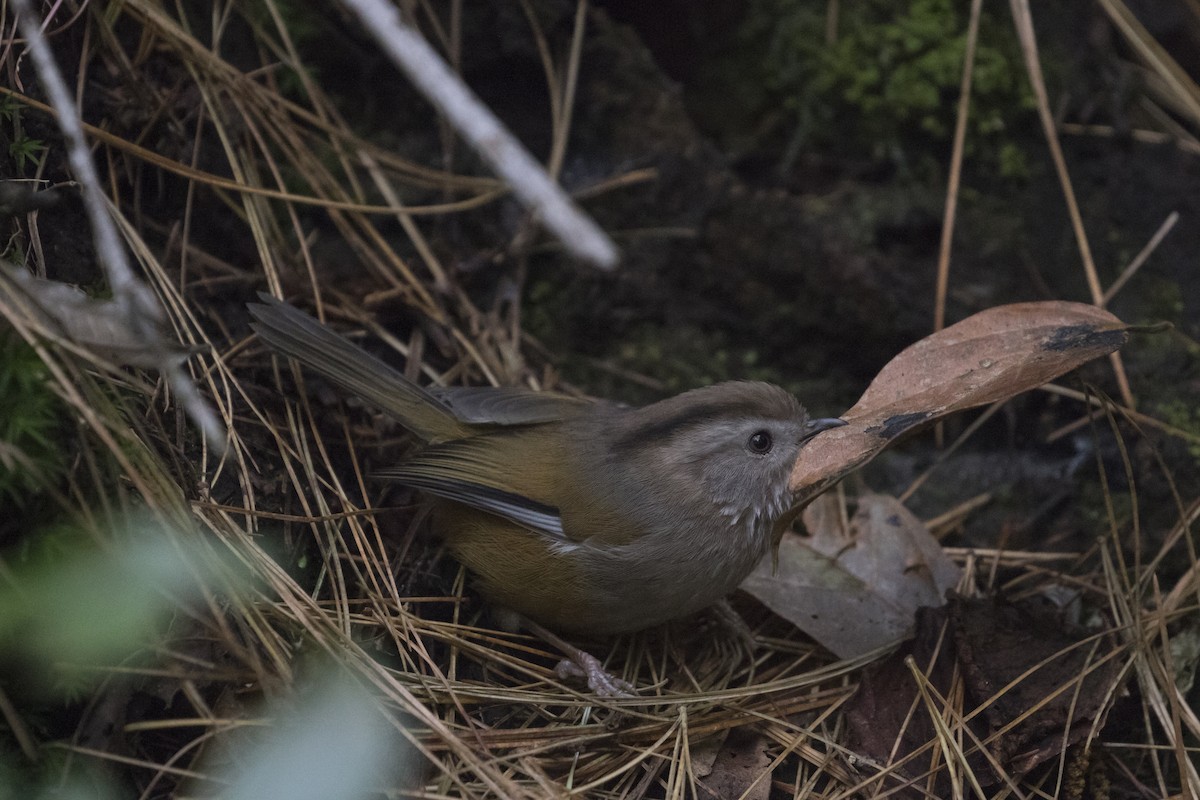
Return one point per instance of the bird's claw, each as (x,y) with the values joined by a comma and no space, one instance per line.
(600,680)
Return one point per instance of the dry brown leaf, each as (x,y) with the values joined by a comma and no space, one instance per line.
(740,768)
(704,752)
(990,356)
(101,326)
(1031,683)
(858,589)
(21,197)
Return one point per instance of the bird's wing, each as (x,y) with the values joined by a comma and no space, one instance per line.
(483,473)
(486,405)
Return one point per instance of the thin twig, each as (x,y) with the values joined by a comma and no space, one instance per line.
(1136,416)
(566,104)
(480,127)
(945,454)
(1140,258)
(956,159)
(139,306)
(1181,86)
(1023,19)
(1137,134)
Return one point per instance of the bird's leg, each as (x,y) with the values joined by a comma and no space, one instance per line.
(732,622)
(581,664)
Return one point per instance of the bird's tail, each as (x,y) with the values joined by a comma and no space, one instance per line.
(293,333)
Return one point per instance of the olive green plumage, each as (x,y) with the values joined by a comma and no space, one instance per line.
(582,515)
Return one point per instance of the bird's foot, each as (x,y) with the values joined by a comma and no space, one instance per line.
(580,664)
(735,626)
(599,680)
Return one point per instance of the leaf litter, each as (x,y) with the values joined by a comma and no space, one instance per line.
(483,736)
(1032,684)
(855,588)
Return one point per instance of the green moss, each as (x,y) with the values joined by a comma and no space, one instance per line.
(19,147)
(684,357)
(1162,299)
(1093,508)
(677,358)
(30,425)
(1185,415)
(889,82)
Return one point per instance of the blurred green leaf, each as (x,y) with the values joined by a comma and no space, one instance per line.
(91,606)
(30,451)
(335,743)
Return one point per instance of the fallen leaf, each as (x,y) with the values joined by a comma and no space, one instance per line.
(1185,654)
(21,197)
(740,769)
(1016,658)
(858,589)
(1033,685)
(704,752)
(884,721)
(990,356)
(101,326)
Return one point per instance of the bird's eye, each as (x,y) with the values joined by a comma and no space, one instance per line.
(760,442)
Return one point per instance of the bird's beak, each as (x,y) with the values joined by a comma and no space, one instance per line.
(816,426)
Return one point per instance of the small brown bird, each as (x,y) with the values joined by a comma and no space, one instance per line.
(582,515)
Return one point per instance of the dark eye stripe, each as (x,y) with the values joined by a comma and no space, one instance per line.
(659,429)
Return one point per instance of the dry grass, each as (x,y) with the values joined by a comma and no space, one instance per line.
(335,570)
